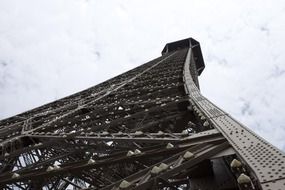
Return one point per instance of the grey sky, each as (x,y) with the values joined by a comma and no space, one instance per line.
(52,48)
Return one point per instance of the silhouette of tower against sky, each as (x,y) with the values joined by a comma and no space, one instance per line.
(148,128)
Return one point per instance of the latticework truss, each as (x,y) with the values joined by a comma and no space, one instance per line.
(148,128)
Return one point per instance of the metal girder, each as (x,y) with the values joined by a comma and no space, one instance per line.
(194,140)
(147,128)
(265,161)
(174,165)
(137,136)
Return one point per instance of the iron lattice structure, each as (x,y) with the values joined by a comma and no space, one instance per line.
(148,128)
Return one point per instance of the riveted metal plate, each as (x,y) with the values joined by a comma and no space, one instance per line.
(265,160)
(196,96)
(209,108)
(193,88)
(274,185)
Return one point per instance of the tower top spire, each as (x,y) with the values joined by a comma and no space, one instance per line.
(187,43)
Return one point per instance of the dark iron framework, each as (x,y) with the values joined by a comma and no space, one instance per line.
(148,128)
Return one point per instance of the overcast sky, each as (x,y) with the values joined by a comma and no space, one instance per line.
(53,48)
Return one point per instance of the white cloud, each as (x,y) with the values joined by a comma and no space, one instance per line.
(50,49)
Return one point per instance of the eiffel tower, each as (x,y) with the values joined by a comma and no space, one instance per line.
(148,128)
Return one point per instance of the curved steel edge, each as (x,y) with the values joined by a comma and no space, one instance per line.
(267,163)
